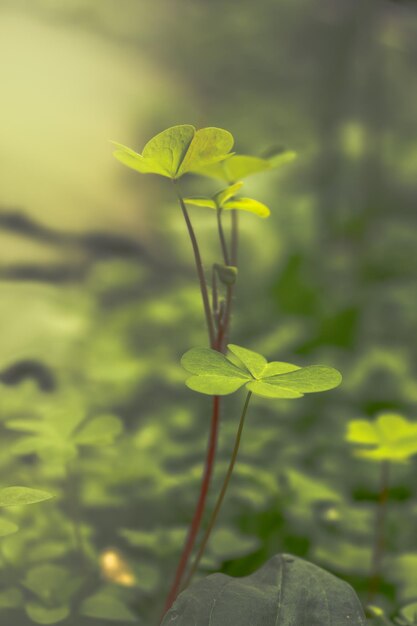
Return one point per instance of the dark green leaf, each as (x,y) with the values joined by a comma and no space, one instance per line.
(286,591)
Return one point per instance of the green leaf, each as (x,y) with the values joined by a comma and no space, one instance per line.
(213,385)
(51,583)
(409,612)
(247,204)
(286,591)
(44,615)
(101,430)
(209,145)
(215,374)
(16,496)
(205,361)
(311,379)
(7,528)
(265,390)
(240,166)
(176,150)
(103,606)
(391,437)
(208,203)
(255,363)
(224,195)
(169,148)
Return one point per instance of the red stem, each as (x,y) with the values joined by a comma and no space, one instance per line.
(199,510)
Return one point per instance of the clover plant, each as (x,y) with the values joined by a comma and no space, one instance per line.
(390,438)
(221,368)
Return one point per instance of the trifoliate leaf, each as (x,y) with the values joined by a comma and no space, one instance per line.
(216,374)
(17,496)
(391,437)
(176,150)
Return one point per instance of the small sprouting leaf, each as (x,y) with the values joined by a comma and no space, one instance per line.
(103,606)
(240,166)
(226,201)
(247,204)
(286,591)
(7,528)
(45,615)
(202,201)
(176,150)
(17,496)
(216,374)
(391,437)
(224,195)
(227,273)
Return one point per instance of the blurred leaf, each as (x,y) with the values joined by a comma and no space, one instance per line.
(247,204)
(44,615)
(99,431)
(7,528)
(17,496)
(241,166)
(11,598)
(286,591)
(227,544)
(391,437)
(102,605)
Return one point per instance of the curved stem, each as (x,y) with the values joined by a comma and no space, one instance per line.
(379,537)
(222,493)
(199,510)
(200,272)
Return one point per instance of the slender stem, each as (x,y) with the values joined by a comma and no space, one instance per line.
(217,344)
(222,237)
(235,237)
(379,536)
(214,295)
(200,272)
(199,510)
(216,510)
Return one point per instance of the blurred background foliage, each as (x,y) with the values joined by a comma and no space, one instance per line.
(99,298)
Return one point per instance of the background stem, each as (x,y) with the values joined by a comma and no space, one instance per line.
(379,536)
(216,510)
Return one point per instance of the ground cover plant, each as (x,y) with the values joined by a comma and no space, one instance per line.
(100,303)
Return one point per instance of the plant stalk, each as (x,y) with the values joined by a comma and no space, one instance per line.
(219,502)
(200,272)
(379,536)
(216,344)
(222,238)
